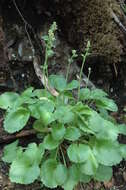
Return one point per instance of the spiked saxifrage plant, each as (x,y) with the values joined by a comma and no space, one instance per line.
(78,137)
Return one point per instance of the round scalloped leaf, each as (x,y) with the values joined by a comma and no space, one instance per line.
(84,127)
(34,153)
(46,117)
(10,152)
(107,152)
(78,153)
(41,108)
(58,131)
(98,94)
(72,85)
(72,133)
(42,93)
(123,150)
(64,115)
(47,173)
(90,166)
(58,82)
(107,104)
(53,174)
(85,178)
(21,171)
(85,94)
(28,92)
(8,99)
(73,178)
(82,110)
(109,130)
(95,122)
(104,173)
(122,129)
(38,126)
(16,120)
(50,143)
(60,174)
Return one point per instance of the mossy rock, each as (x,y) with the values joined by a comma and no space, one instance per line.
(92,20)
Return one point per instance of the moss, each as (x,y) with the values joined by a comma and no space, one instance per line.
(89,19)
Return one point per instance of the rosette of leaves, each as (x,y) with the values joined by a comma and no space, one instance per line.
(79,140)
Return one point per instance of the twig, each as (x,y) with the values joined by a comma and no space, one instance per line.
(118,22)
(25,23)
(115,69)
(42,77)
(122,5)
(24,133)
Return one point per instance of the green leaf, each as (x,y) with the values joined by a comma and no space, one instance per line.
(98,94)
(95,94)
(95,122)
(60,174)
(64,115)
(72,133)
(33,153)
(104,129)
(72,85)
(43,106)
(78,153)
(108,104)
(23,100)
(10,152)
(58,131)
(100,98)
(84,127)
(58,82)
(22,172)
(82,110)
(47,173)
(73,178)
(85,94)
(122,129)
(7,99)
(90,166)
(123,150)
(52,173)
(85,178)
(28,92)
(35,110)
(50,143)
(104,113)
(104,173)
(39,126)
(107,152)
(25,167)
(46,117)
(16,120)
(41,93)
(68,95)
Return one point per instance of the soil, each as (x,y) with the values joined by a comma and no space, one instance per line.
(17,72)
